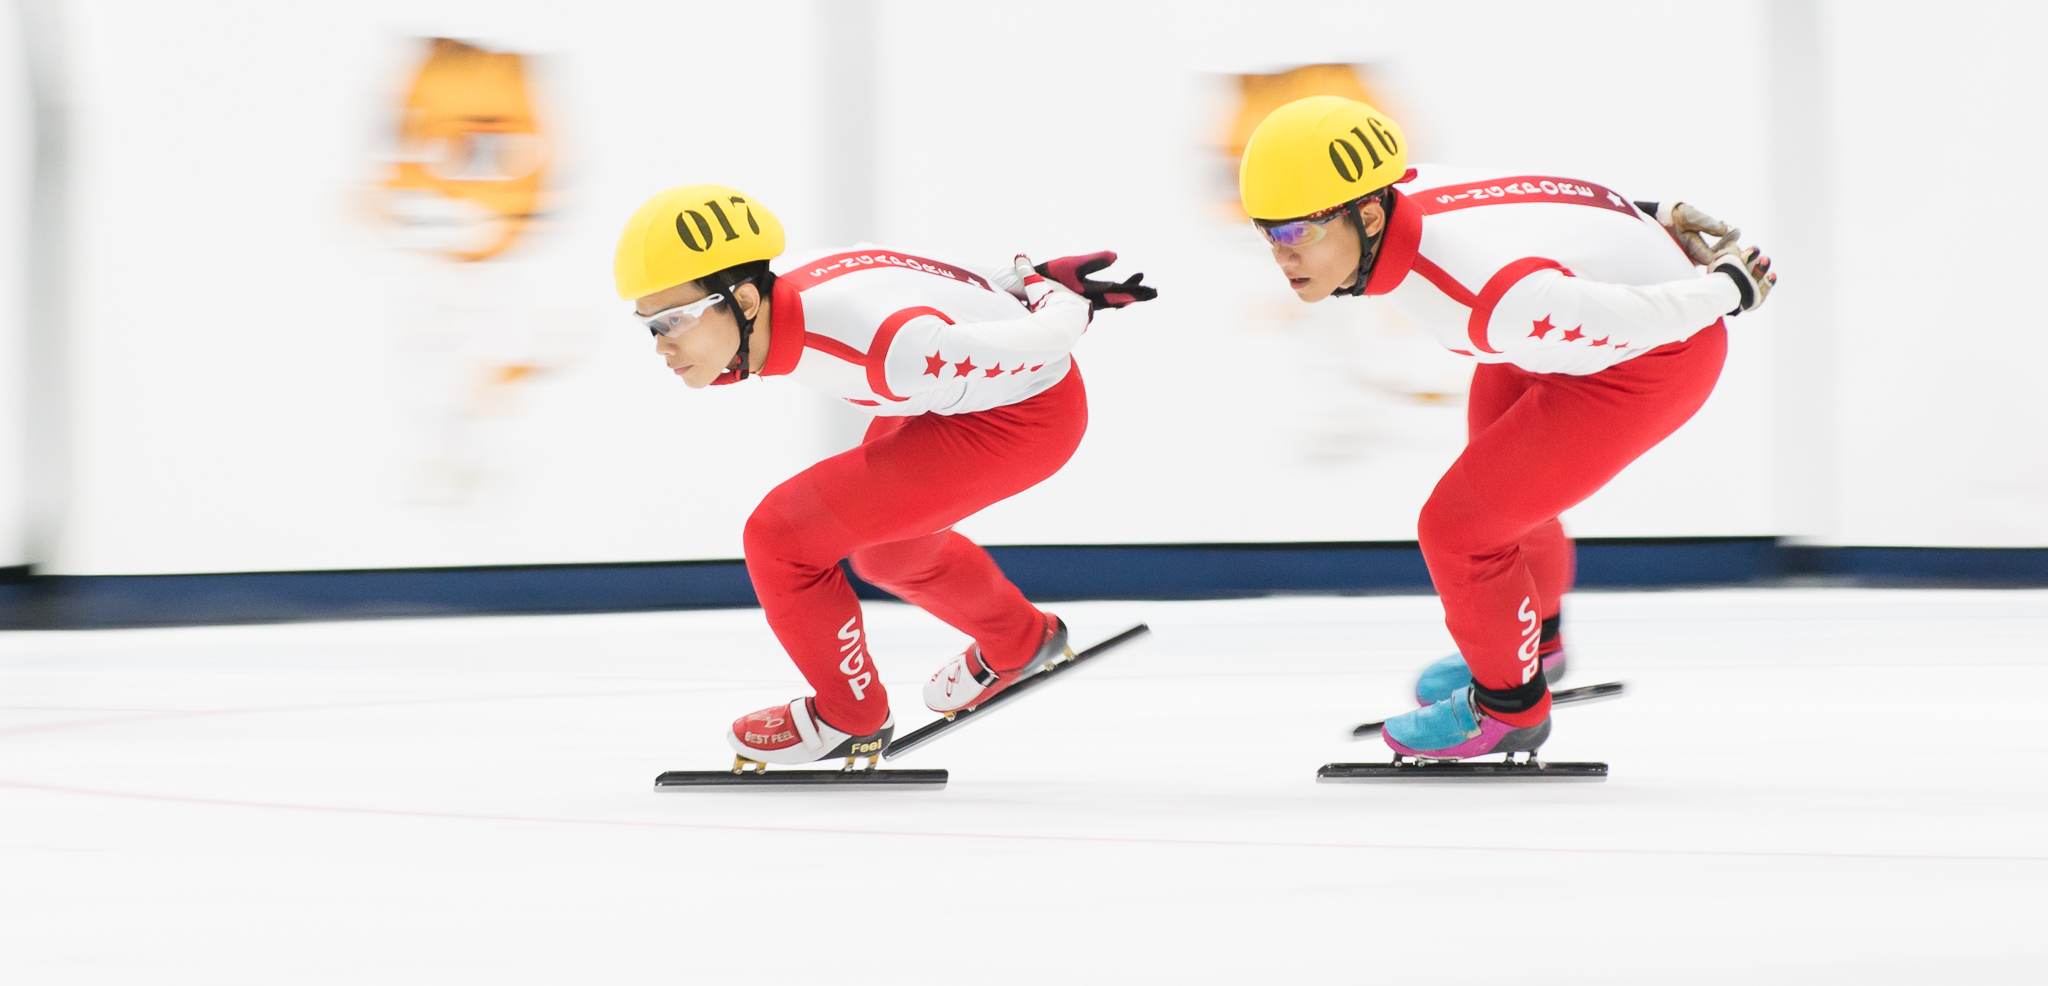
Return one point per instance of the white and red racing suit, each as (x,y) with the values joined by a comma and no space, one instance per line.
(976,400)
(1596,338)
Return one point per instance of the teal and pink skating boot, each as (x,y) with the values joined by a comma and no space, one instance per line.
(1447,675)
(1456,728)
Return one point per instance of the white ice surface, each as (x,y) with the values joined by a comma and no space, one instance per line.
(1808,786)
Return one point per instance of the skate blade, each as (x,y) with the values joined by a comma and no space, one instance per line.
(1463,770)
(677,780)
(1588,693)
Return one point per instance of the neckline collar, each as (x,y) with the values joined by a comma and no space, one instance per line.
(786,330)
(1398,249)
(785,336)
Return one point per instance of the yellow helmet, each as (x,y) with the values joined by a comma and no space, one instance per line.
(688,232)
(1317,153)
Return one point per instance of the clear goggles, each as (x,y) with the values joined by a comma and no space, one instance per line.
(672,322)
(1300,232)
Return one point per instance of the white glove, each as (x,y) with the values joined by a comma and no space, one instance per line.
(1685,224)
(1746,266)
(1749,269)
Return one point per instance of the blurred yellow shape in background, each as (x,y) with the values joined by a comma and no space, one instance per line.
(472,156)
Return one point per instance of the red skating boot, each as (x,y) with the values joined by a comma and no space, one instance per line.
(967,681)
(793,733)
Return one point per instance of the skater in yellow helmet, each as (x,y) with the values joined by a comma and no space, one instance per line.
(975,399)
(1597,327)
(711,245)
(1319,162)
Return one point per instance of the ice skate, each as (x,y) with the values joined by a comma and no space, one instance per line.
(1456,729)
(1443,678)
(793,733)
(967,681)
(1430,742)
(1050,671)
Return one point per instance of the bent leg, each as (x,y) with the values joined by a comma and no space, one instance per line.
(910,482)
(793,544)
(1547,549)
(1560,441)
(954,579)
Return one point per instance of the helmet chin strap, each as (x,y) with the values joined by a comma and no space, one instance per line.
(740,363)
(1368,246)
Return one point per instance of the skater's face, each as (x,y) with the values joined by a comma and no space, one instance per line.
(1315,269)
(700,352)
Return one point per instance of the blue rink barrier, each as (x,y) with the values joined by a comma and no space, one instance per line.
(1048,573)
(1238,570)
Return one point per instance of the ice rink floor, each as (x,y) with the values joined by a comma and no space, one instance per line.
(1809,786)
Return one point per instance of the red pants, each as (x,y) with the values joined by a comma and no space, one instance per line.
(1538,444)
(890,506)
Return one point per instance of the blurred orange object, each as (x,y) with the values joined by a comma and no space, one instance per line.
(472,154)
(1262,94)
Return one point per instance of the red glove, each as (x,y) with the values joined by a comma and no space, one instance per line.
(1072,273)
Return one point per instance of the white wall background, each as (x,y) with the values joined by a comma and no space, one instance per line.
(1939,144)
(17,162)
(251,378)
(246,373)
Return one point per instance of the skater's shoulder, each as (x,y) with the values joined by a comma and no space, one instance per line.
(1438,179)
(1430,176)
(1481,200)
(850,293)
(855,267)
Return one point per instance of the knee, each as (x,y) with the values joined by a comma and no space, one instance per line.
(772,538)
(1436,529)
(765,534)
(1448,529)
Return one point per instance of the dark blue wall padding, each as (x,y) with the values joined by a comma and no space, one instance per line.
(1187,571)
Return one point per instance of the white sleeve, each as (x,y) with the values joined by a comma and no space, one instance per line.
(925,343)
(1549,309)
(1002,276)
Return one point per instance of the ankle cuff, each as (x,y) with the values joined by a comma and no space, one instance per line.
(1512,701)
(984,675)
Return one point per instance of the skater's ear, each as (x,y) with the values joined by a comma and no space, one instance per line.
(749,298)
(1372,216)
(748,282)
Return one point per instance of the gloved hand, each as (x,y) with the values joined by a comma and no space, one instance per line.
(1685,224)
(1033,288)
(1073,273)
(1746,266)
(1749,269)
